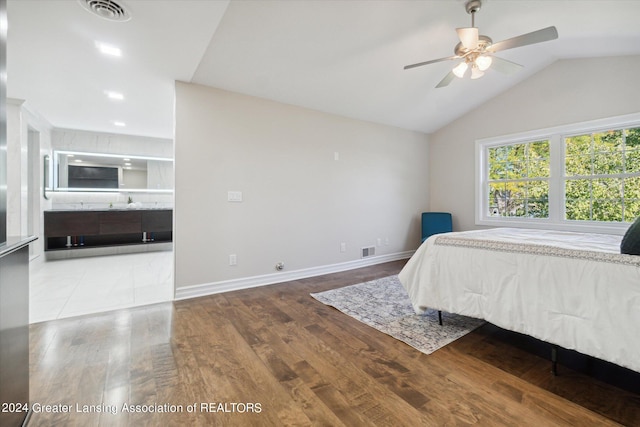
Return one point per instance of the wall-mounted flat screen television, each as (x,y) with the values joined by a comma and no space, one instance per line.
(93,176)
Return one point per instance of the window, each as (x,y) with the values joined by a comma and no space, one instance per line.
(578,177)
(602,176)
(519,180)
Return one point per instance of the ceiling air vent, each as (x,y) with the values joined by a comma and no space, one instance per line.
(106,9)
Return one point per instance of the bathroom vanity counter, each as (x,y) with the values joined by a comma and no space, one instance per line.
(79,229)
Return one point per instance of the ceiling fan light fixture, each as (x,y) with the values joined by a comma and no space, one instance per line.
(483,62)
(460,69)
(476,73)
(476,50)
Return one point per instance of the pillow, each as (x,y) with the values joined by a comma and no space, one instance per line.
(631,241)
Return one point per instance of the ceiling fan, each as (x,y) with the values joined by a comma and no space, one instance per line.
(477,51)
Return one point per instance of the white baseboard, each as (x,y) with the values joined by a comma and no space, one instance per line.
(270,279)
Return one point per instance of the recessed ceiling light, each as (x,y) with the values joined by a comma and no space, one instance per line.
(126,160)
(114,95)
(127,164)
(117,123)
(78,161)
(108,49)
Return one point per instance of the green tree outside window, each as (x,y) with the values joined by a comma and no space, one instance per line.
(518,180)
(602,176)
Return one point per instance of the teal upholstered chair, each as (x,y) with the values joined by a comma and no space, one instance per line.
(435,223)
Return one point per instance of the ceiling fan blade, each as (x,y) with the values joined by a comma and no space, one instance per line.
(543,35)
(468,37)
(433,61)
(504,66)
(447,79)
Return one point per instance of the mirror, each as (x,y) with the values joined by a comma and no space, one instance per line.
(81,171)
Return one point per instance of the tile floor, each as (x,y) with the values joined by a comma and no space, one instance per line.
(73,287)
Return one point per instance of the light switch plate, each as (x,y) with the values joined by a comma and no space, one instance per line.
(234,196)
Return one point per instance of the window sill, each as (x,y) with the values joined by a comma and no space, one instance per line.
(545,224)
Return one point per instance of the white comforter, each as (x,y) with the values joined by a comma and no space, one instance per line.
(571,289)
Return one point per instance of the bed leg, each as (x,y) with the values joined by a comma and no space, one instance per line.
(440,317)
(554,360)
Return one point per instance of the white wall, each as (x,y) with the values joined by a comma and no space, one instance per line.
(21,207)
(17,138)
(299,203)
(568,91)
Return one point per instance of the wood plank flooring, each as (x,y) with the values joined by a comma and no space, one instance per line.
(273,356)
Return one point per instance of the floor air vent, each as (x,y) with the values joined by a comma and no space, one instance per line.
(367,252)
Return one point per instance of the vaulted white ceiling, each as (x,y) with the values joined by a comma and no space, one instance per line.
(342,56)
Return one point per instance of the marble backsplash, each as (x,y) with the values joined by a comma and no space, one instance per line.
(88,200)
(95,142)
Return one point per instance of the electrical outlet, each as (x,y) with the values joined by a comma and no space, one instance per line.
(233,259)
(379,241)
(343,247)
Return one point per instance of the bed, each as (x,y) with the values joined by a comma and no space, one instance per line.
(574,290)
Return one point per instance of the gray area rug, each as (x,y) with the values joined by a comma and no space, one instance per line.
(384,304)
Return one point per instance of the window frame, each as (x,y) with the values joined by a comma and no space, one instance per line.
(555,136)
(521,179)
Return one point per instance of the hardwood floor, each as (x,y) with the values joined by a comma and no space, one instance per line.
(274,356)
